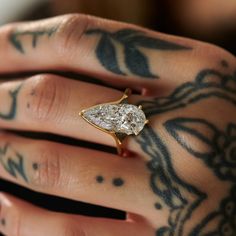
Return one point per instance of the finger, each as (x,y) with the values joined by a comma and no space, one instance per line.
(21,218)
(77,173)
(114,52)
(48,103)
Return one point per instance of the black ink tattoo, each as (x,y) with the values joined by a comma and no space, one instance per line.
(100,179)
(209,83)
(3,222)
(12,162)
(158,206)
(118,182)
(12,113)
(220,152)
(16,41)
(219,155)
(226,215)
(178,196)
(132,41)
(35,166)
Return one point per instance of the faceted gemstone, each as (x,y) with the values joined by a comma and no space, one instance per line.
(120,118)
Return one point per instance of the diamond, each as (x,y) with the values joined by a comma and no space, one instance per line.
(120,118)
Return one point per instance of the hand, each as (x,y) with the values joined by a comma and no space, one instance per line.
(183,179)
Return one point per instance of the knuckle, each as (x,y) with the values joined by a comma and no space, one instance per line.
(48,175)
(70,33)
(48,98)
(214,53)
(7,31)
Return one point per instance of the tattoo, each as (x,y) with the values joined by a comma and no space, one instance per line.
(178,196)
(3,222)
(118,182)
(158,206)
(220,154)
(100,179)
(12,113)
(209,83)
(16,37)
(226,215)
(35,166)
(12,162)
(132,41)
(181,198)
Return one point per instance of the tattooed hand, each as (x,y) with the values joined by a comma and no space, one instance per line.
(183,179)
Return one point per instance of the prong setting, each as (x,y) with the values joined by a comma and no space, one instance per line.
(116,118)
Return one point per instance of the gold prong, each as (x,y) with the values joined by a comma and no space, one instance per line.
(146,122)
(127,92)
(125,96)
(81,113)
(118,143)
(140,107)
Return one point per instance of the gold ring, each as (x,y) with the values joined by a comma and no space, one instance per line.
(119,118)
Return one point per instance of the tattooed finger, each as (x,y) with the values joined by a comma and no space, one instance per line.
(76,173)
(109,50)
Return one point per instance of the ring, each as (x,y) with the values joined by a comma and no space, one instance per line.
(119,119)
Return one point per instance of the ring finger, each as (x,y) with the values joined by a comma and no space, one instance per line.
(49,103)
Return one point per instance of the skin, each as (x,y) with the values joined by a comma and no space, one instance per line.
(181,180)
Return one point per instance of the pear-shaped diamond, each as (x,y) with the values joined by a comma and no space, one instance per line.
(120,118)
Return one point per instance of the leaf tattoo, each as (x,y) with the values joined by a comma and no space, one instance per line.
(131,41)
(220,151)
(107,52)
